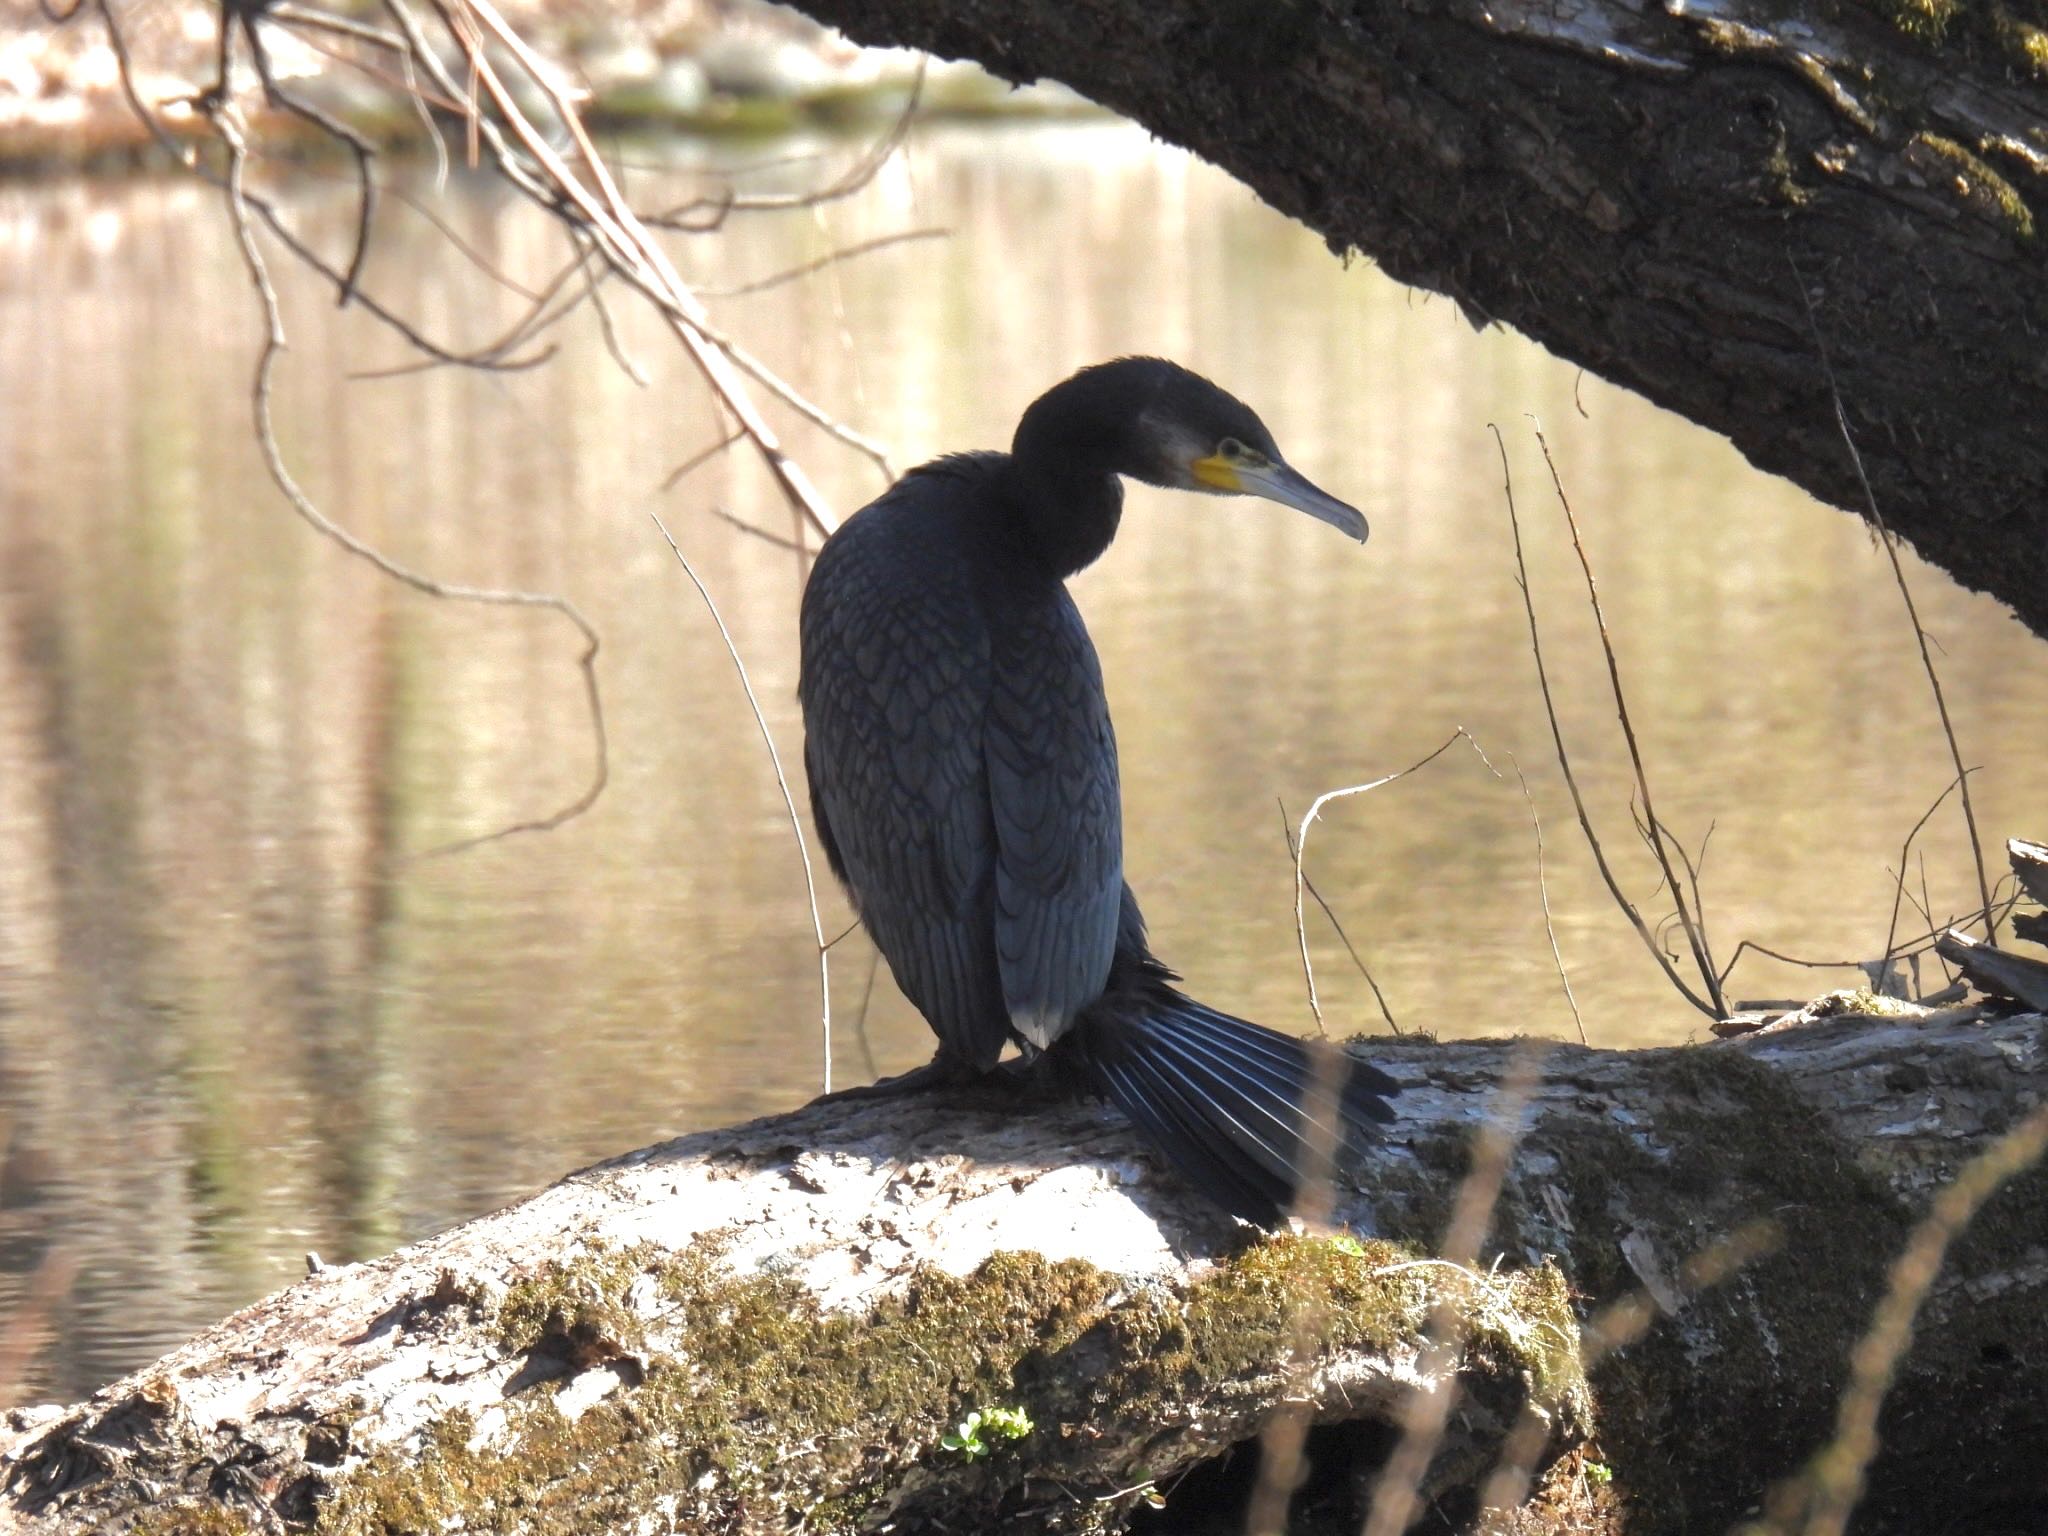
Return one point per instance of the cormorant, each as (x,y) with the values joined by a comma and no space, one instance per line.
(963,774)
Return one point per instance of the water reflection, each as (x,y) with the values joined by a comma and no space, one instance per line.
(240,1019)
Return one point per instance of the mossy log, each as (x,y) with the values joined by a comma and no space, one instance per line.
(1655,191)
(776,1327)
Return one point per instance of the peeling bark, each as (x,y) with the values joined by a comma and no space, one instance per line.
(1635,184)
(777,1324)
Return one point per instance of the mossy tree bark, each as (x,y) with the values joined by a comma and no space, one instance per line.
(774,1327)
(1645,189)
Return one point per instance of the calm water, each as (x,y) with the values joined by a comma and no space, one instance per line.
(240,1020)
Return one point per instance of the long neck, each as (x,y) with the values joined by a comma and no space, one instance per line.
(1064,516)
(1063,482)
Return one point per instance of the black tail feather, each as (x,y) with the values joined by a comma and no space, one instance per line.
(1175,1127)
(1222,1098)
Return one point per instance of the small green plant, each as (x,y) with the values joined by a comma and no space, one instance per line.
(975,1435)
(1345,1243)
(1599,1472)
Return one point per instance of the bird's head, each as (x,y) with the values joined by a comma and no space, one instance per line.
(1158,422)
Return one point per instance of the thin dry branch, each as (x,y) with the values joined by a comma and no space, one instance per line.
(358,146)
(1906,949)
(1299,847)
(780,541)
(1287,834)
(788,800)
(829,259)
(1659,836)
(1564,762)
(626,243)
(1543,895)
(1920,635)
(274,345)
(701,457)
(704,214)
(1905,852)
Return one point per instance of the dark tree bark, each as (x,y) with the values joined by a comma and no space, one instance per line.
(1635,185)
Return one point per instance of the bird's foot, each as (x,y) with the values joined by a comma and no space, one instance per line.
(939,1072)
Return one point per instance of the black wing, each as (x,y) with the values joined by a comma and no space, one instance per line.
(1052,780)
(896,679)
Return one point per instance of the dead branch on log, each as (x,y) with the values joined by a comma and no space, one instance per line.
(2017,977)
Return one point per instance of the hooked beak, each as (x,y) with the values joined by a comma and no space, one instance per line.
(1276,482)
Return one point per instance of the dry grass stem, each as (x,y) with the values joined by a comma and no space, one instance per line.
(1299,848)
(796,824)
(1379,997)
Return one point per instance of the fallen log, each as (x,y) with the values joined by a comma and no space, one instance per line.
(787,1325)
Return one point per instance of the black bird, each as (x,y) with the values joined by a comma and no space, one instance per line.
(964,778)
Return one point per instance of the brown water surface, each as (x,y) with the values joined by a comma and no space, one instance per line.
(239,1020)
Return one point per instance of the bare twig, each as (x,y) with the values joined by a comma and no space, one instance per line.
(1905,852)
(702,456)
(1287,833)
(704,214)
(1919,944)
(1695,932)
(780,541)
(305,111)
(860,1017)
(280,473)
(819,264)
(788,800)
(1543,895)
(1299,845)
(627,244)
(1564,763)
(1891,549)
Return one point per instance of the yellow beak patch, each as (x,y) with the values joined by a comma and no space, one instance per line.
(1217,472)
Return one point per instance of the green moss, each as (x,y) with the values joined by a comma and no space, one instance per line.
(865,1397)
(192,1520)
(1927,20)
(2024,43)
(582,1306)
(1977,183)
(764,1369)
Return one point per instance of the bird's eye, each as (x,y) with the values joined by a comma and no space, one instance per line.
(1230,448)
